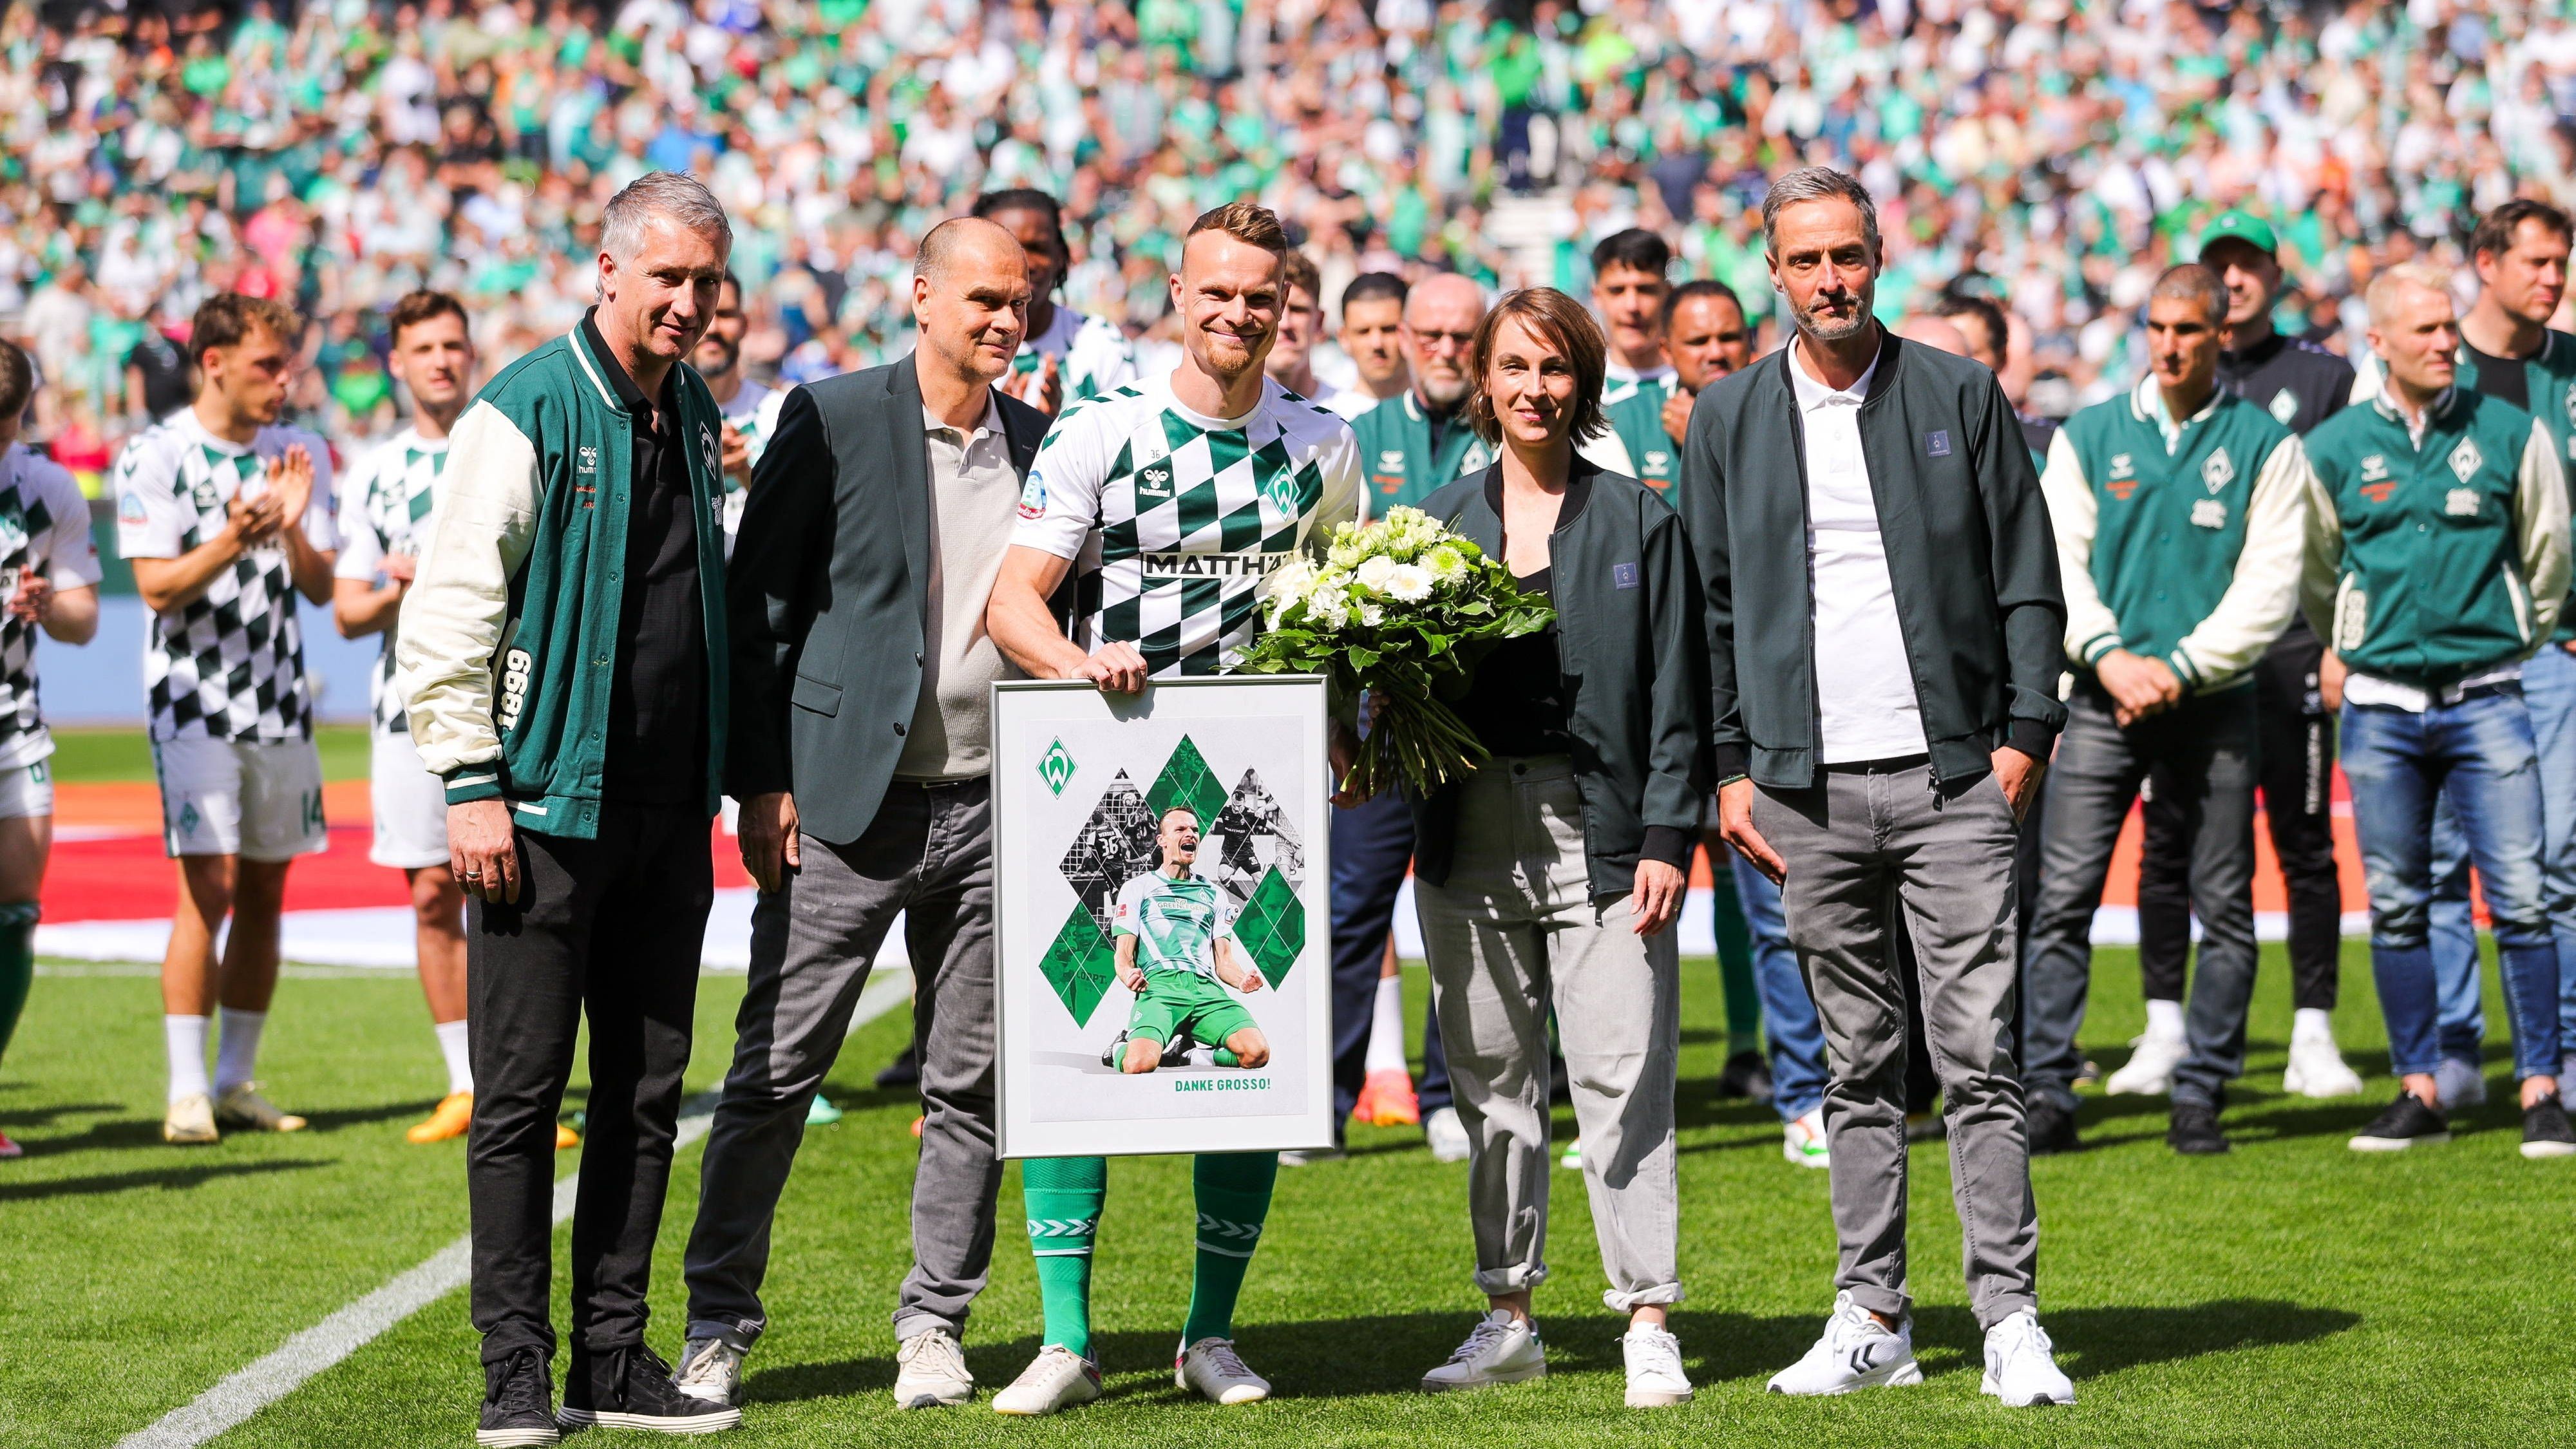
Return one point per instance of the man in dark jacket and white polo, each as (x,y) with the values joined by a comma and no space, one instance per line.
(1884,633)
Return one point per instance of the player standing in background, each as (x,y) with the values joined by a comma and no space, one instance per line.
(1372,316)
(750,410)
(1170,502)
(1301,326)
(388,509)
(1628,289)
(48,580)
(1069,357)
(227,517)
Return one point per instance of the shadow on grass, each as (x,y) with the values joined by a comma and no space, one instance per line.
(1315,1359)
(168,1179)
(126,1132)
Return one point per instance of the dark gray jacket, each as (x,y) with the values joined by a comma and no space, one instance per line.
(1969,551)
(1629,640)
(829,591)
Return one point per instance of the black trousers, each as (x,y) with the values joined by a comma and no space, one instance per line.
(610,927)
(1372,848)
(2294,763)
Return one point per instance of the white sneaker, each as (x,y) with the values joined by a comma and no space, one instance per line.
(1856,1352)
(1212,1367)
(2316,1068)
(2019,1370)
(930,1372)
(1803,1141)
(1501,1350)
(190,1121)
(2149,1071)
(710,1369)
(1655,1377)
(2459,1082)
(1446,1134)
(1058,1378)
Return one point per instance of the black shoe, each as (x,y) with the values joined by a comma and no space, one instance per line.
(631,1388)
(1746,1075)
(2051,1128)
(518,1403)
(2193,1131)
(1176,1052)
(2406,1122)
(2545,1132)
(1114,1055)
(903,1071)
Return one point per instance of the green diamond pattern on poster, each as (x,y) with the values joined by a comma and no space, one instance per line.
(1080,965)
(1187,780)
(1272,927)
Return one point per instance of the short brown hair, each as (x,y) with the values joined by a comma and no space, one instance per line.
(227,319)
(2494,236)
(17,382)
(1298,271)
(1563,324)
(2188,282)
(1245,221)
(420,306)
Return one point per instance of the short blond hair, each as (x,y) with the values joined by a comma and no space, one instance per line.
(1245,221)
(2383,290)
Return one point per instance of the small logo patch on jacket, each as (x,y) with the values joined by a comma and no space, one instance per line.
(1936,443)
(1623,576)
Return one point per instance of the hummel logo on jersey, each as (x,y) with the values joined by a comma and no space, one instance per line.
(2461,503)
(2217,470)
(2284,407)
(2465,460)
(2374,468)
(587,461)
(2124,477)
(1391,459)
(1154,481)
(2123,466)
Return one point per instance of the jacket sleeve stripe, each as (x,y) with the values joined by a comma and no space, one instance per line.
(453,618)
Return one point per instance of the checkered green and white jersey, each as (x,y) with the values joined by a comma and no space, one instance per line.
(44,530)
(388,505)
(754,414)
(1175,520)
(1092,357)
(230,664)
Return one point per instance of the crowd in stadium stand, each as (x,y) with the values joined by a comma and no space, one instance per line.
(339,153)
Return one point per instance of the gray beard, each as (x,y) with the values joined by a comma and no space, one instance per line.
(1445,395)
(1825,329)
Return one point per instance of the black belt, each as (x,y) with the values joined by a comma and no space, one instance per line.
(1892,765)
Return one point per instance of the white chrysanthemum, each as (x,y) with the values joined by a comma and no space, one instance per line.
(1294,580)
(1446,563)
(1328,610)
(1372,614)
(1408,583)
(1374,571)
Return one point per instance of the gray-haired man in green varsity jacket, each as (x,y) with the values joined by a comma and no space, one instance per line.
(2180,513)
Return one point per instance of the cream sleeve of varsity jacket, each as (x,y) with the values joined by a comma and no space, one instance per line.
(454,614)
(2260,598)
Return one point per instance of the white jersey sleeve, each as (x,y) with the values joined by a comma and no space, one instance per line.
(1122,918)
(70,555)
(1060,501)
(1343,493)
(152,518)
(361,551)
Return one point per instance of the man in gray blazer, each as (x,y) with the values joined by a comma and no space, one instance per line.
(878,516)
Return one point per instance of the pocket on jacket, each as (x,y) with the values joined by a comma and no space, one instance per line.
(815,695)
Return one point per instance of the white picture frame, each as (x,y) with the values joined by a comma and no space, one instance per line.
(1075,776)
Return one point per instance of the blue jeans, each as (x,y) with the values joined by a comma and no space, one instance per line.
(1788,1013)
(2480,754)
(2549,692)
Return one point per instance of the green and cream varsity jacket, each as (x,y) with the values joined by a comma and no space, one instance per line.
(2549,380)
(2177,541)
(1637,423)
(1406,455)
(2437,548)
(509,637)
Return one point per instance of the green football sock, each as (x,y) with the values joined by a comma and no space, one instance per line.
(1233,1190)
(1226,1058)
(17,964)
(1735,966)
(1063,1197)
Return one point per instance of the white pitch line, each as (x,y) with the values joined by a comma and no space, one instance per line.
(246,1391)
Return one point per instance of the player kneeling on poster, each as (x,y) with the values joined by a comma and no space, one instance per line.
(1174,953)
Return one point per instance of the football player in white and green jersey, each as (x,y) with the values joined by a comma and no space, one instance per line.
(750,410)
(1175,953)
(1068,358)
(1169,503)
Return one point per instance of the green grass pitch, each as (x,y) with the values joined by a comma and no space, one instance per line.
(2294,1293)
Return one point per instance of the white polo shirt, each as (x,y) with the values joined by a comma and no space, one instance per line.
(1864,683)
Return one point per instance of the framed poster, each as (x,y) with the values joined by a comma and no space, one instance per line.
(1160,895)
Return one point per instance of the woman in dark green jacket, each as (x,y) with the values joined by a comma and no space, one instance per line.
(1550,877)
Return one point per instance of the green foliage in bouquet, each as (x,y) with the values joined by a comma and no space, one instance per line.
(1402,608)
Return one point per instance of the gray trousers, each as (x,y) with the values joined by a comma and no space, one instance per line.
(1861,845)
(1512,932)
(2203,752)
(929,855)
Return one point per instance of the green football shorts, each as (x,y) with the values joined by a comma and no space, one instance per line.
(1177,1001)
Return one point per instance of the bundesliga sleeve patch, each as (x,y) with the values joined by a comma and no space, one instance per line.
(1033,497)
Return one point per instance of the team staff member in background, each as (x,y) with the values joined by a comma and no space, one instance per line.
(1301,326)
(750,410)
(1410,446)
(1372,319)
(1707,338)
(2300,385)
(1068,357)
(2508,353)
(1628,291)
(2437,562)
(1548,888)
(1094,504)
(1883,711)
(388,510)
(562,657)
(2180,513)
(51,572)
(227,518)
(880,517)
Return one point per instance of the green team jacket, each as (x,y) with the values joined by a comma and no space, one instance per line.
(2431,560)
(509,634)
(1406,454)
(2549,378)
(2178,542)
(1637,420)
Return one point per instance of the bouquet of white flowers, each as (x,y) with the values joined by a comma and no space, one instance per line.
(1397,609)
